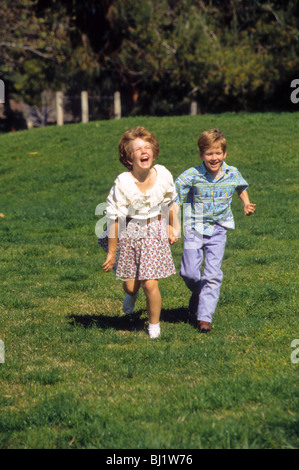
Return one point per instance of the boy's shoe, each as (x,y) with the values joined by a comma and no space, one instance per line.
(129,303)
(193,303)
(204,326)
(154,330)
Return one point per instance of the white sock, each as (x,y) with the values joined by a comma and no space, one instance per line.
(154,330)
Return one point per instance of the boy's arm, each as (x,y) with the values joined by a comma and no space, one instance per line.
(248,207)
(182,186)
(112,246)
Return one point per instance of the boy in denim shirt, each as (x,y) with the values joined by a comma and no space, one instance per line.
(208,189)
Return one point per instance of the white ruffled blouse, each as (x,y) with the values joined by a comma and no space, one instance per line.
(126,200)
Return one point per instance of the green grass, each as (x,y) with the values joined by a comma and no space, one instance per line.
(77,372)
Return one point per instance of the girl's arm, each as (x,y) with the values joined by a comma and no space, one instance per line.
(174,224)
(248,207)
(112,246)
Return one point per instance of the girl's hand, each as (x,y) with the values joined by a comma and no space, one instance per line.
(172,240)
(171,235)
(109,263)
(249,209)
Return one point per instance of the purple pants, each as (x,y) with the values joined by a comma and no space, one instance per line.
(207,284)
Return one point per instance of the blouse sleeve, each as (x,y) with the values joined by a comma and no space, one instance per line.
(117,204)
(170,193)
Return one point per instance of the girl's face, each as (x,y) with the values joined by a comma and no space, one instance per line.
(213,158)
(142,154)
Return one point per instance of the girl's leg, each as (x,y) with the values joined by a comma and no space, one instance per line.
(153,299)
(131,287)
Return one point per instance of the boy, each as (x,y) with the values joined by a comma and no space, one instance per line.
(208,189)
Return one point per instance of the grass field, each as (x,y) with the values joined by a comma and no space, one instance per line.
(77,372)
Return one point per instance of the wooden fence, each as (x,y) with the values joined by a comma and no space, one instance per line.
(84,107)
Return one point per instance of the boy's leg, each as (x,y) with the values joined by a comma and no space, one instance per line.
(191,267)
(212,276)
(192,260)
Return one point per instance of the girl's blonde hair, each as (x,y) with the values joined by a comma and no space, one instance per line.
(209,138)
(125,145)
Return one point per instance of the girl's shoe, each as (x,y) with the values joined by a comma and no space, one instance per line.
(154,330)
(129,303)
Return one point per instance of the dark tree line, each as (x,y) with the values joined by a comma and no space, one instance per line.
(161,54)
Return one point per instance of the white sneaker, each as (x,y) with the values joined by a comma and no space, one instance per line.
(154,330)
(129,303)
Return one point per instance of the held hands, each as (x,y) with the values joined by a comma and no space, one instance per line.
(172,238)
(249,209)
(109,263)
(174,224)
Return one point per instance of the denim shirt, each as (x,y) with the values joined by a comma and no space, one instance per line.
(208,199)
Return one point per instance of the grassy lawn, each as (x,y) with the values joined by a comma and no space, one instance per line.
(77,372)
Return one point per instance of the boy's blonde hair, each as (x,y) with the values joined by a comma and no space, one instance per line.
(125,145)
(209,138)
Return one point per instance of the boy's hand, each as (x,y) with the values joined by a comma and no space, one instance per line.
(249,209)
(109,263)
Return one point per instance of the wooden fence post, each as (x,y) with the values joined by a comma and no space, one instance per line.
(193,108)
(59,108)
(117,105)
(84,106)
(2,92)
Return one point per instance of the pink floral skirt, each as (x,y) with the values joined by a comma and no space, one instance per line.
(143,252)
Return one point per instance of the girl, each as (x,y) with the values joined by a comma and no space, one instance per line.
(138,242)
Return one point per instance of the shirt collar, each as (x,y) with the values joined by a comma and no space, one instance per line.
(203,171)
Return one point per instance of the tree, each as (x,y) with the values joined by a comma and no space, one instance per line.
(29,45)
(161,54)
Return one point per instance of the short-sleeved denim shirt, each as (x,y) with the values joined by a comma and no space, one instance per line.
(208,199)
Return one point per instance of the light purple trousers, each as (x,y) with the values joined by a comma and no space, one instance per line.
(206,284)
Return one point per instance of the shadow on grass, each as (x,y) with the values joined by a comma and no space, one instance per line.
(133,322)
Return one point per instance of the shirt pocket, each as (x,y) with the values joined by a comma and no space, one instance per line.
(189,235)
(203,197)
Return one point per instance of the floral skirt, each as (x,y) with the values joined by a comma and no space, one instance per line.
(143,252)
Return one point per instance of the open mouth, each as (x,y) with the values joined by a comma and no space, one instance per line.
(144,159)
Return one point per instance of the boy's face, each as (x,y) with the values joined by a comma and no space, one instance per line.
(213,158)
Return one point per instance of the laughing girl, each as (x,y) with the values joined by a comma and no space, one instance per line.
(140,227)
